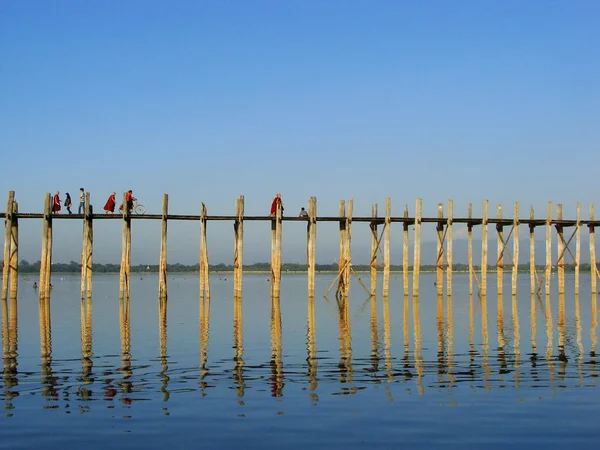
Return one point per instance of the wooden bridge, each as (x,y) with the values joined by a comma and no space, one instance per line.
(444,224)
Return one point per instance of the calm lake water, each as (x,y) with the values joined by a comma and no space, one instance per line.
(262,373)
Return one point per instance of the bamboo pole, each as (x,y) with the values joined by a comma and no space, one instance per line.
(548,248)
(405,252)
(560,248)
(593,267)
(342,263)
(470,248)
(531,252)
(439,262)
(386,246)
(311,235)
(162,265)
(89,244)
(7,244)
(238,265)
(515,268)
(204,280)
(484,248)
(374,247)
(417,247)
(276,254)
(125,252)
(449,250)
(14,252)
(500,260)
(577,248)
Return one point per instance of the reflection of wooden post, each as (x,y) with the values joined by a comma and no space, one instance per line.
(89,245)
(548,247)
(560,248)
(238,264)
(417,247)
(7,244)
(439,262)
(204,281)
(311,237)
(405,252)
(593,268)
(484,248)
(515,268)
(531,251)
(125,252)
(162,265)
(374,247)
(500,260)
(577,247)
(14,252)
(449,249)
(276,253)
(386,246)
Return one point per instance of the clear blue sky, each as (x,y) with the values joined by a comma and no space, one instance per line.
(207,100)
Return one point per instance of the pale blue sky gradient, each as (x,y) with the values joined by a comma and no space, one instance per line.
(207,100)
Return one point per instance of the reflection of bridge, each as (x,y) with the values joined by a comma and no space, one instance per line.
(444,222)
(501,367)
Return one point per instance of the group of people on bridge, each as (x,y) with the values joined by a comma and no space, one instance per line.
(109,206)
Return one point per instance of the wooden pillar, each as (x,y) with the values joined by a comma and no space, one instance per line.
(500,260)
(470,248)
(204,280)
(7,244)
(405,252)
(515,268)
(342,263)
(386,246)
(560,248)
(593,268)
(439,262)
(417,247)
(311,238)
(348,246)
(238,247)
(577,247)
(162,265)
(531,251)
(484,248)
(89,245)
(374,248)
(84,241)
(43,261)
(449,250)
(548,247)
(276,253)
(125,252)
(14,252)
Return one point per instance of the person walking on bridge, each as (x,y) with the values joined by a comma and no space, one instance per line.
(81,201)
(56,203)
(276,201)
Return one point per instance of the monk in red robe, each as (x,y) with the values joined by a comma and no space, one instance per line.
(109,207)
(276,201)
(56,203)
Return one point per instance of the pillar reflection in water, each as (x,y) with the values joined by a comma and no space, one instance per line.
(311,349)
(126,370)
(9,350)
(277,381)
(387,339)
(417,338)
(562,357)
(485,348)
(49,381)
(441,364)
(204,327)
(374,340)
(516,340)
(550,337)
(86,348)
(450,340)
(162,337)
(580,348)
(503,367)
(593,338)
(238,343)
(345,364)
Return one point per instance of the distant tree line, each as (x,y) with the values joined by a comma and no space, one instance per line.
(73,267)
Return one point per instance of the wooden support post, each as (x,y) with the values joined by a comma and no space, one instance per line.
(125,252)
(342,263)
(89,245)
(593,268)
(7,244)
(374,247)
(560,248)
(84,241)
(276,253)
(162,265)
(417,247)
(48,253)
(14,253)
(439,262)
(500,260)
(577,247)
(470,248)
(386,246)
(238,251)
(348,246)
(43,260)
(405,252)
(532,272)
(311,238)
(515,268)
(204,280)
(548,248)
(449,250)
(484,248)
